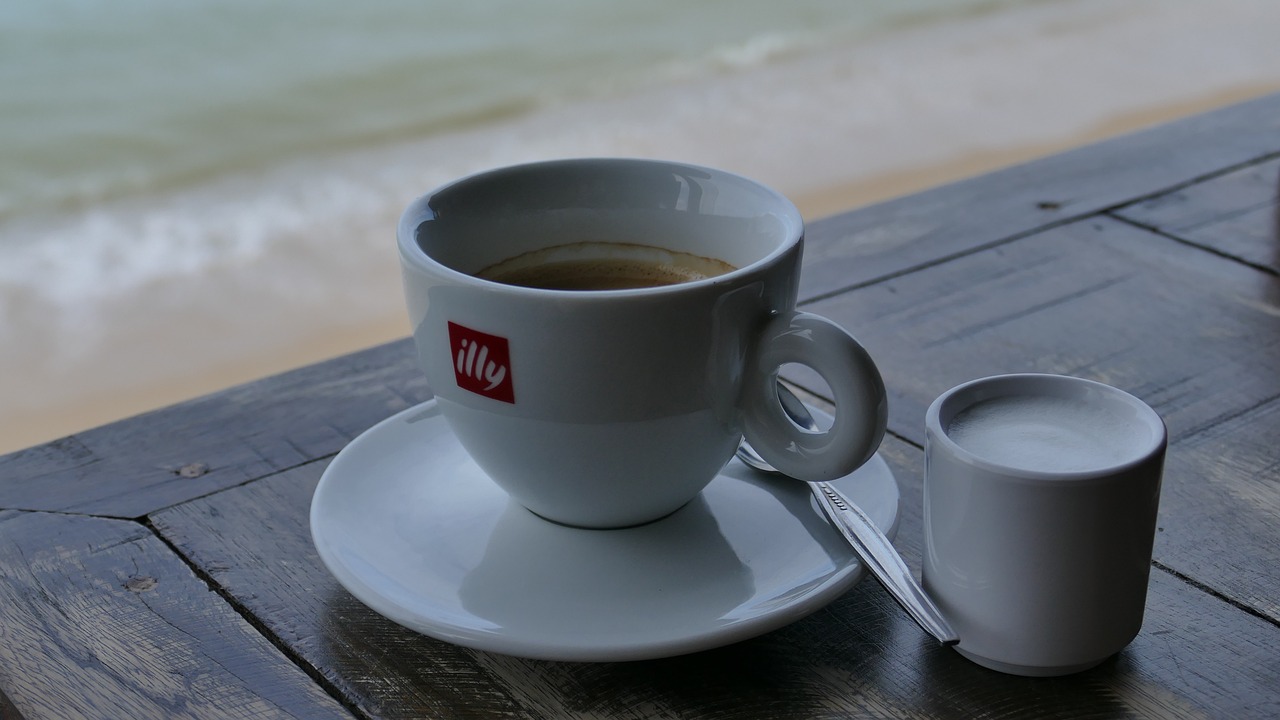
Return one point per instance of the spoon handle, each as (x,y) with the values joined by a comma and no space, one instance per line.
(885,563)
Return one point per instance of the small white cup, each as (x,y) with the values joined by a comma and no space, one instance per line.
(609,408)
(1040,502)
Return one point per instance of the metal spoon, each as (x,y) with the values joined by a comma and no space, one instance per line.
(871,544)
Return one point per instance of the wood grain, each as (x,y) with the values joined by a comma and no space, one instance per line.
(7,709)
(1237,214)
(1220,509)
(1195,335)
(256,539)
(915,231)
(859,656)
(99,619)
(129,468)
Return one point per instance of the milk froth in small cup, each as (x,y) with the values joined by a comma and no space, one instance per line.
(1040,502)
(601,333)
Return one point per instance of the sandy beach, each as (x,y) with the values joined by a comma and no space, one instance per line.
(837,130)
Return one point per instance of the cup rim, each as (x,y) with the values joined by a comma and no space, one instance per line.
(418,212)
(1006,385)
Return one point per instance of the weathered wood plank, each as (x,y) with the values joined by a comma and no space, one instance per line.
(129,468)
(257,539)
(1237,214)
(910,232)
(1195,335)
(860,656)
(7,710)
(1220,509)
(98,618)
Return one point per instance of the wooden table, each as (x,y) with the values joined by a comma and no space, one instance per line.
(162,566)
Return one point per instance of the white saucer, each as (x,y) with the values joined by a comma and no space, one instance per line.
(409,525)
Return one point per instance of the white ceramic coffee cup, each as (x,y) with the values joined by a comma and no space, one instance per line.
(609,408)
(1040,502)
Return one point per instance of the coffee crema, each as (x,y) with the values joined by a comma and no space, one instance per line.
(586,266)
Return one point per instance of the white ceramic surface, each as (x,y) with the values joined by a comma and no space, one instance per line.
(407,522)
(614,407)
(1043,571)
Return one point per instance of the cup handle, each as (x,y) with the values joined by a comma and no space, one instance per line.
(862,408)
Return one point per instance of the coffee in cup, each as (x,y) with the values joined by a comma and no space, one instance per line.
(603,266)
(602,406)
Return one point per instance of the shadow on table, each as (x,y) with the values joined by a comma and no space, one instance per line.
(860,655)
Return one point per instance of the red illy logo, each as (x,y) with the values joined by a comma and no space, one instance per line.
(481,363)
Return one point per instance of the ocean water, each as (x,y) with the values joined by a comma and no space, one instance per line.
(110,110)
(206,186)
(205,179)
